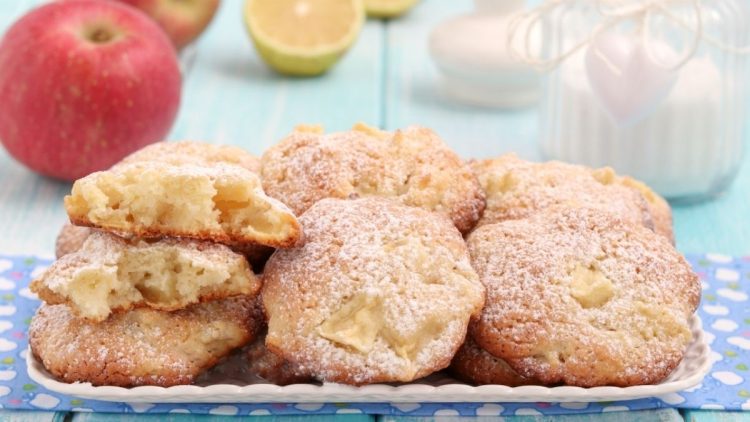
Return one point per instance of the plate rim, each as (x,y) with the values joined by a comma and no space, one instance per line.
(377,393)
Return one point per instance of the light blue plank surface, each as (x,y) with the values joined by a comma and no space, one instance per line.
(29,416)
(231,97)
(414,96)
(715,416)
(661,415)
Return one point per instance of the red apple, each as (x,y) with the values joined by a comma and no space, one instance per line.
(83,83)
(182,20)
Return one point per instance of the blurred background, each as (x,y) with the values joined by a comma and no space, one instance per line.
(387,79)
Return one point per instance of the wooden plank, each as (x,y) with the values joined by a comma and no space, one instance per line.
(661,415)
(715,226)
(31,416)
(715,416)
(105,417)
(229,96)
(413,92)
(413,96)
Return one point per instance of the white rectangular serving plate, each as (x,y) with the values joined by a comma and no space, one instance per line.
(436,388)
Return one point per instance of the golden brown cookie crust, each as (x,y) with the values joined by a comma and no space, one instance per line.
(412,165)
(660,210)
(516,189)
(474,365)
(143,346)
(70,239)
(581,297)
(379,292)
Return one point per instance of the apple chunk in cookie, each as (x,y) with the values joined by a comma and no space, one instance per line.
(379,292)
(110,274)
(223,203)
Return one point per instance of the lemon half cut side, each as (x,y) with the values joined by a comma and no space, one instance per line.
(303,37)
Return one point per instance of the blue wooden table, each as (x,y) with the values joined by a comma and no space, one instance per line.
(388,80)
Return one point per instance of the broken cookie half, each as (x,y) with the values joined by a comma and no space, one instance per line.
(223,203)
(110,274)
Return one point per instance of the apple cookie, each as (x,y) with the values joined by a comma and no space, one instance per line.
(582,297)
(143,346)
(516,189)
(222,203)
(474,365)
(111,274)
(70,239)
(379,292)
(412,165)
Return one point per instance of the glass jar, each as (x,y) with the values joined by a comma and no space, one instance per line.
(651,94)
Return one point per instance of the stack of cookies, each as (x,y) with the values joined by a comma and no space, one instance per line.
(151,287)
(412,261)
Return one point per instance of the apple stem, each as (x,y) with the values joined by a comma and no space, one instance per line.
(100,35)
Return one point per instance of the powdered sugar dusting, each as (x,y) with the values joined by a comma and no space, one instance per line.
(194,153)
(533,321)
(412,263)
(518,189)
(413,166)
(143,346)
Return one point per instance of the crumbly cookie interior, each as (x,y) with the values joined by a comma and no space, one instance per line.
(160,276)
(180,200)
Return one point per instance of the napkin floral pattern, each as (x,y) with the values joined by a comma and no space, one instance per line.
(724,310)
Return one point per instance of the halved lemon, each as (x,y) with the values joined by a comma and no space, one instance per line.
(388,8)
(303,37)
